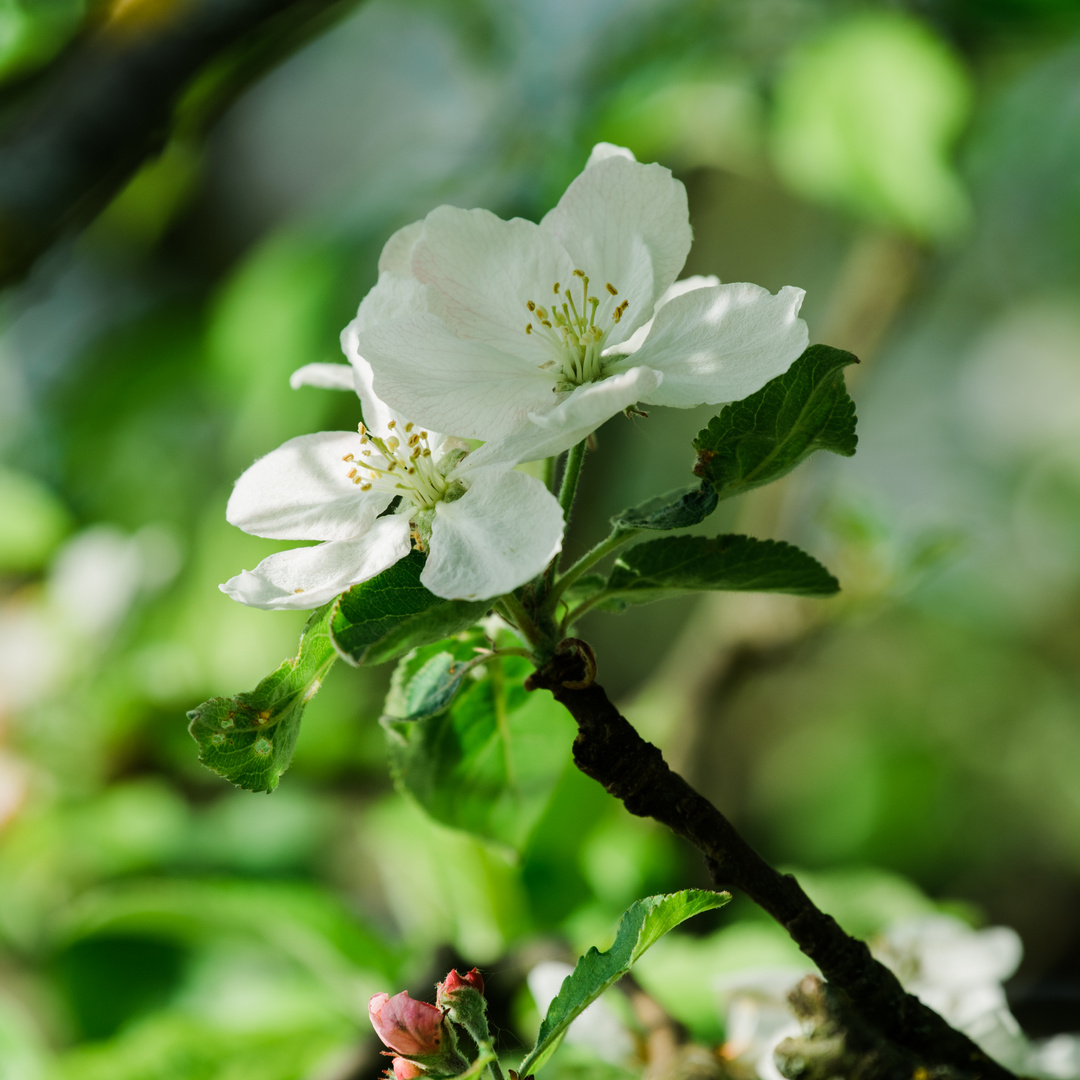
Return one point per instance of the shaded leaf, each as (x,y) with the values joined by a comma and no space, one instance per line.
(487,764)
(677,509)
(677,564)
(763,437)
(392,613)
(641,926)
(249,739)
(426,680)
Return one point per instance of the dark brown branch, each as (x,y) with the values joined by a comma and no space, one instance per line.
(110,105)
(608,749)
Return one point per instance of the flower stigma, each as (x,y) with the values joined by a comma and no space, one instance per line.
(403,466)
(571,332)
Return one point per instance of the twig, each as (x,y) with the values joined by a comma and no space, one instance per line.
(609,750)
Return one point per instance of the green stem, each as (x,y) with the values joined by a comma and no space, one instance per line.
(591,557)
(572,617)
(568,487)
(549,474)
(513,611)
(493,1064)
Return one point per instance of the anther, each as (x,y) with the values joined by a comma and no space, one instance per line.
(365,487)
(351,473)
(611,289)
(409,426)
(555,288)
(579,273)
(530,305)
(348,457)
(391,424)
(528,329)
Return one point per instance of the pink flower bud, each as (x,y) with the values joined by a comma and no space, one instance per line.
(404,1069)
(412,1028)
(455,982)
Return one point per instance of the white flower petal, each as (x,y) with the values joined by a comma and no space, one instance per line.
(612,211)
(464,388)
(685,285)
(302,491)
(397,250)
(721,344)
(324,376)
(482,271)
(394,296)
(581,412)
(503,531)
(308,577)
(603,150)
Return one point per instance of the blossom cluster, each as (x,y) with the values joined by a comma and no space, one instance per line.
(420,1037)
(525,336)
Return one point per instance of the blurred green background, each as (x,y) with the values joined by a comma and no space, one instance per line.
(915,166)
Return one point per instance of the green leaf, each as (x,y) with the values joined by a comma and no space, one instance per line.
(677,564)
(677,509)
(763,437)
(249,739)
(427,680)
(385,617)
(642,925)
(487,764)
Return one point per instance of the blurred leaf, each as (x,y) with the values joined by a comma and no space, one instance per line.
(759,439)
(675,564)
(865,117)
(173,1047)
(300,921)
(489,763)
(33,31)
(677,509)
(641,925)
(385,617)
(249,739)
(33,521)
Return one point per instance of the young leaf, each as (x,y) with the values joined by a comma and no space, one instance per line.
(676,510)
(642,925)
(387,616)
(676,564)
(249,739)
(759,439)
(427,679)
(487,764)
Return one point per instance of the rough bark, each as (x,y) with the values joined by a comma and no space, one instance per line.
(610,750)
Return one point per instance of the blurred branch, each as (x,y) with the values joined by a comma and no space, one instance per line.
(111,103)
(610,750)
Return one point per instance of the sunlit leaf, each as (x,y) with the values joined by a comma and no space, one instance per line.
(678,564)
(759,439)
(641,925)
(489,763)
(385,617)
(249,739)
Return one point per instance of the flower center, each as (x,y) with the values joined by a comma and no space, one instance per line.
(570,330)
(399,468)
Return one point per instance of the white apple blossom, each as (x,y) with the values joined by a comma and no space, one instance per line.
(492,328)
(485,527)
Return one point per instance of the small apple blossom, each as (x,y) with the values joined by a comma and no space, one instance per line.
(492,328)
(485,527)
(403,1069)
(454,983)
